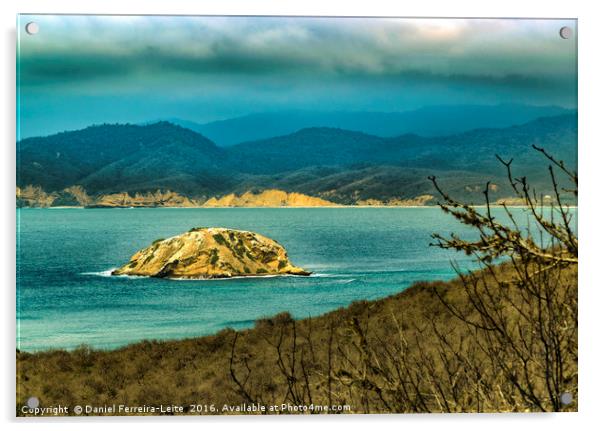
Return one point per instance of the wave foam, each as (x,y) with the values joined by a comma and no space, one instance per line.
(108,273)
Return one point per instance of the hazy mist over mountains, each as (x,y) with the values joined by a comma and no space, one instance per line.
(427,121)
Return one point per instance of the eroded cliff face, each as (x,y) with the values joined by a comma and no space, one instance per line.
(418,201)
(268,198)
(151,199)
(211,253)
(34,196)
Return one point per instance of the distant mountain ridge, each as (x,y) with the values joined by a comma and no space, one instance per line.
(428,121)
(471,151)
(336,165)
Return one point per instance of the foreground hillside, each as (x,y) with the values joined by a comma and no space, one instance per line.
(374,356)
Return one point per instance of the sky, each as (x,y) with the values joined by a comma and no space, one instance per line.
(83,70)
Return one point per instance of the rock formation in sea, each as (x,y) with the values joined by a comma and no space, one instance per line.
(211,253)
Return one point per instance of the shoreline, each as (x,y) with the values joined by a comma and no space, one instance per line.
(282,207)
(197,338)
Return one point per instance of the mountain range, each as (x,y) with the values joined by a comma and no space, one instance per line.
(427,121)
(339,165)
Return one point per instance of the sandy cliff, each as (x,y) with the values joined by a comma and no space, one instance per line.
(268,198)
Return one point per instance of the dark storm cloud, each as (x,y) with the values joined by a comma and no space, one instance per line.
(60,68)
(154,64)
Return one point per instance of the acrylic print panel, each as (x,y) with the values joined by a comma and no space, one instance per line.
(294,215)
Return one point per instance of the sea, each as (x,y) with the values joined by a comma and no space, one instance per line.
(67,298)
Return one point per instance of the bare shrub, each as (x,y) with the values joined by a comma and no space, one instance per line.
(502,338)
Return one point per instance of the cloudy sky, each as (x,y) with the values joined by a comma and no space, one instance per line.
(82,70)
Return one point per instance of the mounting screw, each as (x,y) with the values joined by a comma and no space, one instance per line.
(566,398)
(32,28)
(566,32)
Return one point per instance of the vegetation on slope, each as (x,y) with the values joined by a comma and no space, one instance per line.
(338,165)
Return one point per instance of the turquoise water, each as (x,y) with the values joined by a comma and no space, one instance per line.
(66,297)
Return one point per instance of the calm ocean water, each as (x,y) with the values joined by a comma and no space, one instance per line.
(66,298)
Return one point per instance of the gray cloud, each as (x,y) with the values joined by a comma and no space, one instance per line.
(155,47)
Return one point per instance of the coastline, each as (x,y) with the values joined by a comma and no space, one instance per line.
(278,207)
(143,341)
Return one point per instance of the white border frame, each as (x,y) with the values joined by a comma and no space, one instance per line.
(590,142)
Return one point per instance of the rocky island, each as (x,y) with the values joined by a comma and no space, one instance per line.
(211,253)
